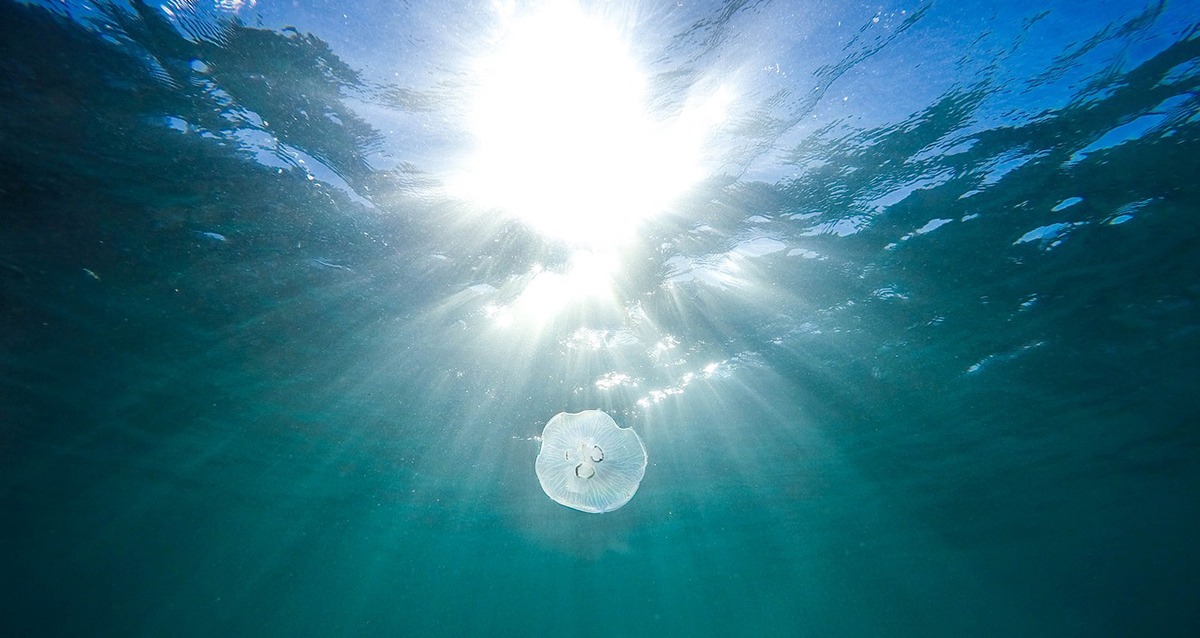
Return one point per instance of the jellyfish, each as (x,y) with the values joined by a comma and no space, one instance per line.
(588,462)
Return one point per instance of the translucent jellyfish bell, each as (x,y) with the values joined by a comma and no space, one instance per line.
(590,463)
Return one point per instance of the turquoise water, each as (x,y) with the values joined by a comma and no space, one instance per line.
(916,355)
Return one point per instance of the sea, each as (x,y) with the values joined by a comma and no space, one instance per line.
(902,299)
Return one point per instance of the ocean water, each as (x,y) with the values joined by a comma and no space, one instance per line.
(913,349)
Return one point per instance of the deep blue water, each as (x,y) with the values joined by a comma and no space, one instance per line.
(914,353)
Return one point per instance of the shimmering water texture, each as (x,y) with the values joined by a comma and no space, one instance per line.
(889,313)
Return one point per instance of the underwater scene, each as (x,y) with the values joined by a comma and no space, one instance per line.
(599,318)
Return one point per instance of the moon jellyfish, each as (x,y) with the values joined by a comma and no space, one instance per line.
(589,463)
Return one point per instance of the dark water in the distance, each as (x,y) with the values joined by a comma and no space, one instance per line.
(917,357)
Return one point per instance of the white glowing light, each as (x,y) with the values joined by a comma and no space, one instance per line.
(588,275)
(564,140)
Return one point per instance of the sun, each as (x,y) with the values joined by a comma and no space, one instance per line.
(563,139)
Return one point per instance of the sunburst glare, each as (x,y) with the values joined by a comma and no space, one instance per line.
(563,138)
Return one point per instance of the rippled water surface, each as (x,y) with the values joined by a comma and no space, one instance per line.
(903,301)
